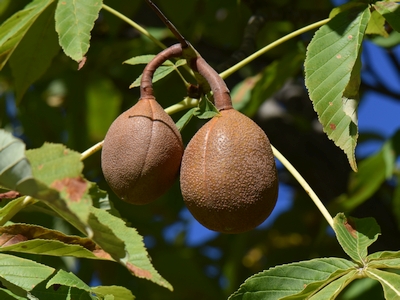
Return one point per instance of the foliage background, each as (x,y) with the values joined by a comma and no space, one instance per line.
(76,107)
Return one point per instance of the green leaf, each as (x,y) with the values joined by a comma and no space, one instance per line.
(363,288)
(290,279)
(68,279)
(74,22)
(314,287)
(23,273)
(124,244)
(206,109)
(241,93)
(10,209)
(384,260)
(344,7)
(331,57)
(387,42)
(143,60)
(103,101)
(35,52)
(8,295)
(376,25)
(389,281)
(373,171)
(53,162)
(161,72)
(4,5)
(185,119)
(272,79)
(60,293)
(390,11)
(14,29)
(332,290)
(119,292)
(15,170)
(356,235)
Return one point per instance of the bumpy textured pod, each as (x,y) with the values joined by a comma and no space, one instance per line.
(228,175)
(142,153)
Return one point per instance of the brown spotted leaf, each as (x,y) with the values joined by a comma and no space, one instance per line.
(33,239)
(57,174)
(332,73)
(52,174)
(356,235)
(59,169)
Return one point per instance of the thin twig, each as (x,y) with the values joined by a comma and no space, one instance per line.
(263,50)
(134,25)
(305,185)
(91,150)
(168,23)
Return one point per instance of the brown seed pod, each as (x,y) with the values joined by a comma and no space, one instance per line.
(142,153)
(228,176)
(143,148)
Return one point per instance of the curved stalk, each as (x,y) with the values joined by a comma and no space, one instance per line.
(305,185)
(263,50)
(145,33)
(146,84)
(220,91)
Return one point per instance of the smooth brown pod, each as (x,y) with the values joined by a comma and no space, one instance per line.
(228,175)
(143,148)
(142,153)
